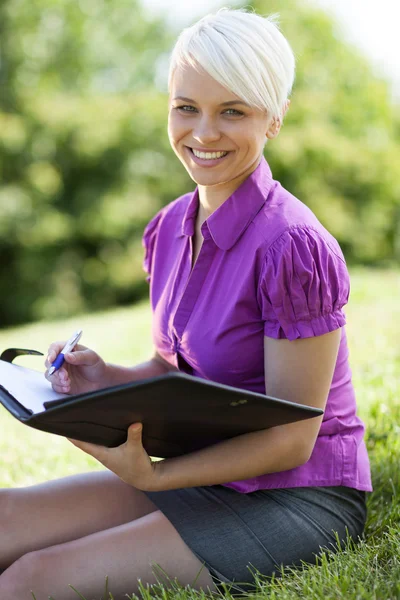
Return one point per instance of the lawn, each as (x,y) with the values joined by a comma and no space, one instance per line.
(369,571)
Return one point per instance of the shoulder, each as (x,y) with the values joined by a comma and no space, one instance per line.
(304,281)
(172,212)
(165,225)
(284,219)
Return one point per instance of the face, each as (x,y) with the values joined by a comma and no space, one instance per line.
(205,117)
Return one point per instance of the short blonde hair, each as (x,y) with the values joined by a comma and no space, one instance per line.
(244,52)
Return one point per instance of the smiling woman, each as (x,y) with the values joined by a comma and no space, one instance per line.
(225,101)
(215,121)
(247,288)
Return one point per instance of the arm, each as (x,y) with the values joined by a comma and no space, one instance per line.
(85,371)
(116,375)
(300,371)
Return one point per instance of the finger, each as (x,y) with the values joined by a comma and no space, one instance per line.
(98,452)
(60,377)
(60,381)
(61,389)
(135,434)
(63,375)
(55,349)
(84,357)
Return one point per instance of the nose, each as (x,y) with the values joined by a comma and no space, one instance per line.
(206,131)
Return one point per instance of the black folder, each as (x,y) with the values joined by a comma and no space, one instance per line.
(180,413)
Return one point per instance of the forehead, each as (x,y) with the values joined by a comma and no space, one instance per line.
(195,83)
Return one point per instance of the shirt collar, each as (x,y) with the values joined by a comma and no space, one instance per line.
(232,218)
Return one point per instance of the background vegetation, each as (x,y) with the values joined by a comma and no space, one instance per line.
(85,160)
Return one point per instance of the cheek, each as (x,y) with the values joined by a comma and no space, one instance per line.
(171,135)
(175,127)
(249,133)
(170,128)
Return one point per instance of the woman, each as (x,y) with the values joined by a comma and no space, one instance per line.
(247,289)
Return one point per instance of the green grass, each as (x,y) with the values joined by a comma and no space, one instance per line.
(369,571)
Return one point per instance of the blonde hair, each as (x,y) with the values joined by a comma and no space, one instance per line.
(244,52)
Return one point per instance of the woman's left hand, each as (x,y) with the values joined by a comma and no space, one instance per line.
(129,461)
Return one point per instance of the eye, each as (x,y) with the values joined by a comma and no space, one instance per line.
(234,112)
(231,112)
(185,107)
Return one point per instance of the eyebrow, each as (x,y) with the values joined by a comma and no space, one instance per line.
(229,103)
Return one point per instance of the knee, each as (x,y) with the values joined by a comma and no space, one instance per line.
(7,525)
(6,505)
(25,576)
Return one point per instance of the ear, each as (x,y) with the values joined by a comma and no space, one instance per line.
(273,129)
(276,124)
(286,108)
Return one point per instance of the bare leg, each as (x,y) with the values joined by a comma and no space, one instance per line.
(125,554)
(51,513)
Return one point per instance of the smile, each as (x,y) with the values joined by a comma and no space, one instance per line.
(207,159)
(208,155)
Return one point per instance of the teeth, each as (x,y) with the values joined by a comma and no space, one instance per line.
(208,155)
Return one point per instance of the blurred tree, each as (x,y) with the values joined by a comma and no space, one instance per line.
(82,142)
(85,160)
(339,148)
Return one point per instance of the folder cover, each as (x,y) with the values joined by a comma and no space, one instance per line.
(180,413)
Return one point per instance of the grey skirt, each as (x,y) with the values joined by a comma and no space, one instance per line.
(236,535)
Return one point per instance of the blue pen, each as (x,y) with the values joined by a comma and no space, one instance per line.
(70,345)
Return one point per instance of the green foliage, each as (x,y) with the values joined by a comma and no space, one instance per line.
(82,145)
(85,160)
(339,147)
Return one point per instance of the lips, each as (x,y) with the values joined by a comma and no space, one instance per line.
(207,162)
(209,150)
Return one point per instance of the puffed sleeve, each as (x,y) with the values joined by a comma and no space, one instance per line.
(304,283)
(148,243)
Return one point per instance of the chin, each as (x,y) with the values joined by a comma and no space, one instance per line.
(204,180)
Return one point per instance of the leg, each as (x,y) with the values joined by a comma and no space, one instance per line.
(125,554)
(65,509)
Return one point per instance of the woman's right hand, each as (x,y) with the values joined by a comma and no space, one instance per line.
(83,370)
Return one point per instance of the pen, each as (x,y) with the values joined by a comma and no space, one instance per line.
(67,348)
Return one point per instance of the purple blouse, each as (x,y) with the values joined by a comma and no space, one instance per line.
(267,267)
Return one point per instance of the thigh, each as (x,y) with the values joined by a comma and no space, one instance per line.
(237,533)
(65,509)
(304,521)
(123,554)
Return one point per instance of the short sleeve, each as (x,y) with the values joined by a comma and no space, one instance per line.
(148,243)
(304,283)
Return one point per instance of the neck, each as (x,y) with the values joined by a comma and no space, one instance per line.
(212,197)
